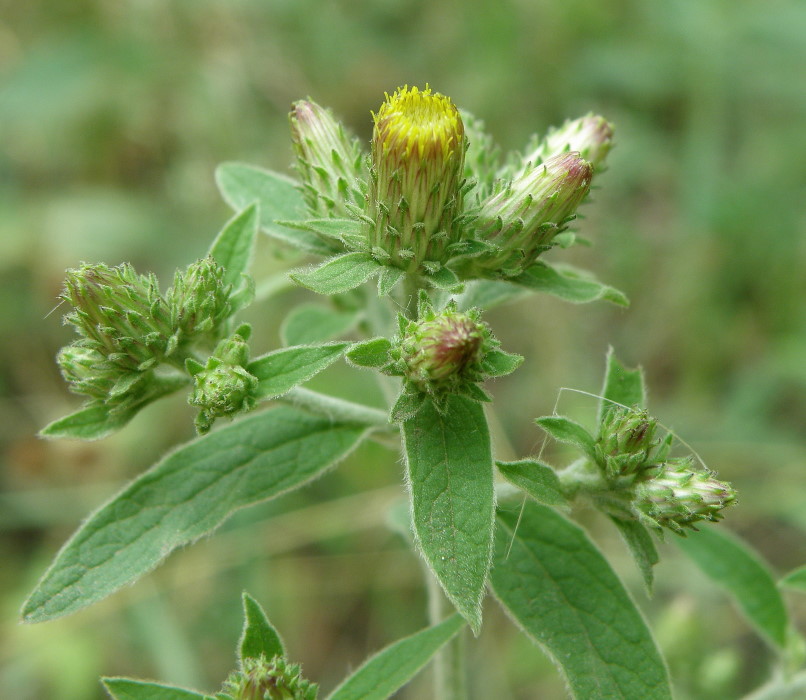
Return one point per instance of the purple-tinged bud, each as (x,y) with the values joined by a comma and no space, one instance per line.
(260,679)
(591,136)
(626,442)
(329,161)
(418,151)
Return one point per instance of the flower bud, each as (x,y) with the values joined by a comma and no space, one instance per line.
(418,151)
(443,350)
(591,136)
(199,301)
(523,217)
(679,496)
(626,441)
(260,679)
(329,161)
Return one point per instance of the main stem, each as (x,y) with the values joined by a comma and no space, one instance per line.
(450,667)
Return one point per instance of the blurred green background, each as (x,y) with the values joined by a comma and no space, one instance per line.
(113,116)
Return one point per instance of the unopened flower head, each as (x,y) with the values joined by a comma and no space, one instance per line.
(591,136)
(275,679)
(680,496)
(626,441)
(524,216)
(418,150)
(199,300)
(329,161)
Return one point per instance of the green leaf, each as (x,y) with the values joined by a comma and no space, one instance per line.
(538,480)
(185,496)
(622,387)
(443,278)
(568,283)
(388,278)
(497,363)
(129,689)
(348,231)
(485,294)
(795,579)
(556,585)
(641,546)
(565,430)
(233,247)
(390,669)
(734,566)
(278,199)
(450,471)
(280,371)
(258,635)
(96,422)
(339,274)
(313,323)
(369,353)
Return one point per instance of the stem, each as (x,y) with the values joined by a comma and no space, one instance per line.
(581,476)
(411,287)
(450,672)
(338,409)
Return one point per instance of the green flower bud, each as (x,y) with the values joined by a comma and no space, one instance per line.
(276,679)
(522,218)
(418,151)
(329,161)
(679,496)
(591,136)
(626,442)
(199,301)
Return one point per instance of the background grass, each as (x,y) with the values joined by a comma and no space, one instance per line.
(112,119)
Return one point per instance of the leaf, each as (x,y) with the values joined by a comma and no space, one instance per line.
(278,199)
(622,387)
(485,294)
(450,472)
(130,689)
(348,231)
(388,278)
(538,480)
(186,496)
(390,669)
(258,636)
(497,363)
(734,566)
(280,371)
(795,580)
(369,353)
(232,248)
(568,283)
(339,274)
(443,278)
(641,546)
(96,422)
(556,585)
(568,431)
(314,323)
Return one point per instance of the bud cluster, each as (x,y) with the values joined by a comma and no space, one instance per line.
(262,679)
(223,387)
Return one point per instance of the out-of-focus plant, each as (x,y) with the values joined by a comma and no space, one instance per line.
(428,230)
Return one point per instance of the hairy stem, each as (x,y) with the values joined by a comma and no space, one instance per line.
(450,672)
(338,409)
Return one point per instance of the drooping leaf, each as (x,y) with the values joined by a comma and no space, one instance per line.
(130,689)
(258,635)
(641,546)
(339,274)
(565,430)
(185,496)
(622,387)
(450,471)
(796,580)
(538,480)
(281,370)
(568,283)
(370,353)
(556,585)
(278,199)
(390,669)
(232,249)
(313,323)
(734,566)
(486,294)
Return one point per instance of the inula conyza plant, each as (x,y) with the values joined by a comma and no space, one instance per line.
(427,228)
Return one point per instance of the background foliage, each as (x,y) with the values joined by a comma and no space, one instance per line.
(113,117)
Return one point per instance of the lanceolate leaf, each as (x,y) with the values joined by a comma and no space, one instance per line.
(258,636)
(565,430)
(314,323)
(795,580)
(568,283)
(129,689)
(394,666)
(450,472)
(622,387)
(278,198)
(538,480)
(370,353)
(232,248)
(557,586)
(185,496)
(340,274)
(738,569)
(281,370)
(641,546)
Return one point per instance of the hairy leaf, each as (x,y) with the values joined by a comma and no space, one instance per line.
(568,431)
(232,248)
(313,323)
(130,689)
(641,546)
(281,370)
(538,480)
(258,635)
(339,274)
(622,387)
(568,283)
